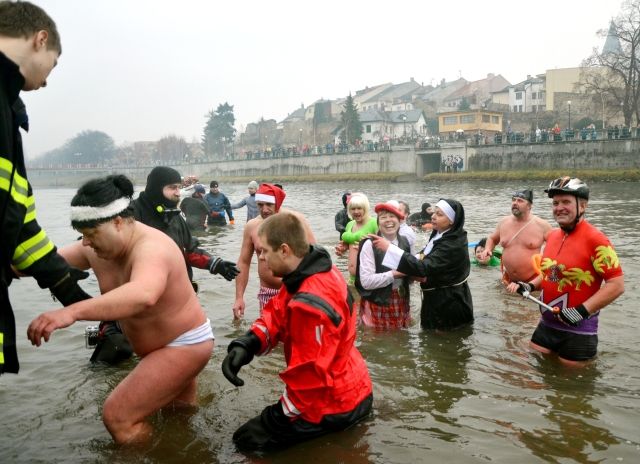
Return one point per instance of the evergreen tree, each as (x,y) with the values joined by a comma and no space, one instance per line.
(219,129)
(464,105)
(350,121)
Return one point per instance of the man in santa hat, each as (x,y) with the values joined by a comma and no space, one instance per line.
(269,198)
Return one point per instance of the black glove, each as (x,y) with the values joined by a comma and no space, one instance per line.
(226,269)
(239,353)
(112,346)
(573,316)
(524,287)
(67,291)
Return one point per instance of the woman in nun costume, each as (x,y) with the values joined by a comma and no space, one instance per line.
(443,268)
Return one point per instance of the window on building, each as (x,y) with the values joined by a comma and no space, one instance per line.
(450,120)
(467,119)
(495,119)
(533,95)
(486,118)
(368,128)
(519,108)
(515,108)
(518,95)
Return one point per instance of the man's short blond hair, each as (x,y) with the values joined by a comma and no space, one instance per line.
(285,227)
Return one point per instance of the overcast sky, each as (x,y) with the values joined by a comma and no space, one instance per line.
(141,70)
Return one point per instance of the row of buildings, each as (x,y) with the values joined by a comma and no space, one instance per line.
(413,110)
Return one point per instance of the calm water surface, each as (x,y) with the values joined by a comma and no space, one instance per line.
(477,395)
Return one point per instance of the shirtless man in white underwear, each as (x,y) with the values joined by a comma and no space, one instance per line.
(521,236)
(269,199)
(143,286)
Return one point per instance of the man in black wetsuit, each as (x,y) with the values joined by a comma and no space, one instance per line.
(195,209)
(157,207)
(342,216)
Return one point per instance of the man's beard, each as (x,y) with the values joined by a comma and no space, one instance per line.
(516,212)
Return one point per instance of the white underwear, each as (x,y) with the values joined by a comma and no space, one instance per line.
(194,336)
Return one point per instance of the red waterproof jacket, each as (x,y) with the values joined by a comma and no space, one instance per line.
(312,316)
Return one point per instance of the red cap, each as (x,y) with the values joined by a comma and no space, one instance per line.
(269,193)
(391,206)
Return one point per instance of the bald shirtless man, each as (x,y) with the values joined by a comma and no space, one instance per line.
(141,276)
(269,199)
(521,235)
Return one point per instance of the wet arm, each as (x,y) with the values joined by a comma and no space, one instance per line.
(146,285)
(611,290)
(244,264)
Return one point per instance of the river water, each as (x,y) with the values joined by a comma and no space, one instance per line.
(477,395)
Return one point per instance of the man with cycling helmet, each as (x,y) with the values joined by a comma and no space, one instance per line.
(579,275)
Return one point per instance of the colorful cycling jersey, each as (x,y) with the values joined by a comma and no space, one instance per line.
(574,266)
(370,227)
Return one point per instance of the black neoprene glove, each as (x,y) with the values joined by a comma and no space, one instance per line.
(524,287)
(226,269)
(67,291)
(239,353)
(573,316)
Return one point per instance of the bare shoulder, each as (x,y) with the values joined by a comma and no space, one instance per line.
(251,228)
(155,242)
(503,222)
(543,223)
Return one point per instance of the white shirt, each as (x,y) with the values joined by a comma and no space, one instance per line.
(369,279)
(394,253)
(407,232)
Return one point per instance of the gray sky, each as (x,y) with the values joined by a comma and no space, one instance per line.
(140,70)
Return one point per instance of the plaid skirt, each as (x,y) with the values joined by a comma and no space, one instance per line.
(396,314)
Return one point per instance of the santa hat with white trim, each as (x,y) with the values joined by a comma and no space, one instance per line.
(269,193)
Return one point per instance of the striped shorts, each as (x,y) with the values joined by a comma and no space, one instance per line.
(265,294)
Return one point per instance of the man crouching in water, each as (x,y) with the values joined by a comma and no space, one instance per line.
(141,276)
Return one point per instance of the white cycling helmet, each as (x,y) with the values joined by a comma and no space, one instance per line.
(569,185)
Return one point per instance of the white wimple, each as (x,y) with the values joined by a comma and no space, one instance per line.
(92,213)
(265,198)
(447,210)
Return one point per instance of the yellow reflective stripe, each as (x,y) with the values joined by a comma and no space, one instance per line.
(30,215)
(1,348)
(5,173)
(31,250)
(20,187)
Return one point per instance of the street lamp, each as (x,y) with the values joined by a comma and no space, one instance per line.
(300,138)
(602,98)
(569,103)
(404,125)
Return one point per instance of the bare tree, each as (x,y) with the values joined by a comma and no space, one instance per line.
(614,72)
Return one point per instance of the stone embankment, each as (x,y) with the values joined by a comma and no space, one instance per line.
(608,156)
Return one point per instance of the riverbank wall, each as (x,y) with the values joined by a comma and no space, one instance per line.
(401,162)
(570,155)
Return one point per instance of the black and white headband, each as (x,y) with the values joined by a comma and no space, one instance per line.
(96,213)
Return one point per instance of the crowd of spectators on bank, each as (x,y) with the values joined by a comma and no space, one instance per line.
(451,163)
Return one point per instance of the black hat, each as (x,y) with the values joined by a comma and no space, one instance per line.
(214,183)
(158,178)
(524,194)
(345,197)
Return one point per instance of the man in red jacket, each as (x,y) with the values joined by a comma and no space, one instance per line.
(327,384)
